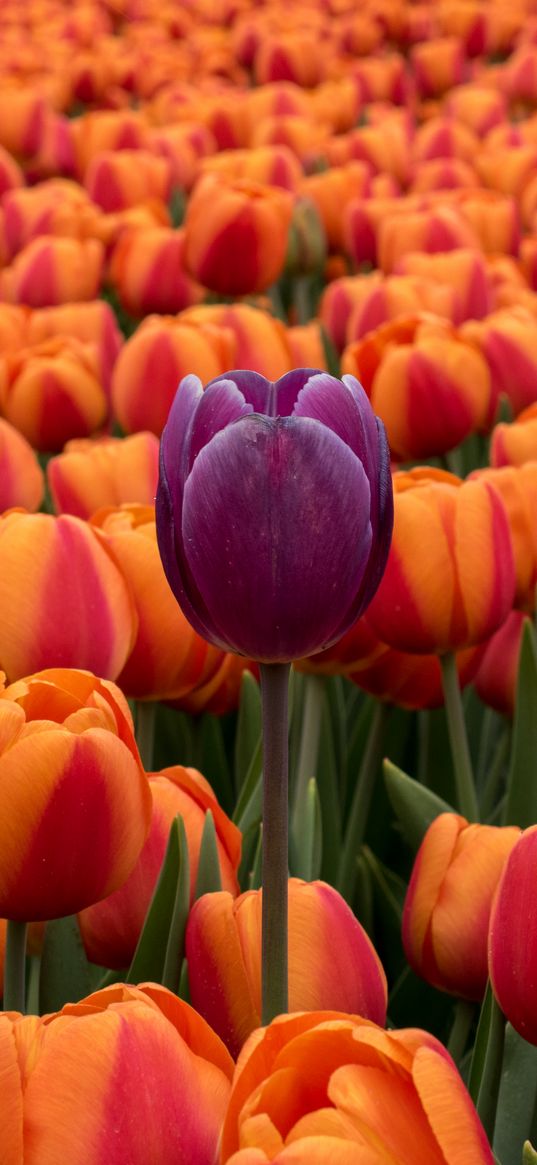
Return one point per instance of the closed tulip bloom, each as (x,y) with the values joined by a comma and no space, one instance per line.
(516,443)
(272,165)
(56,207)
(76,803)
(260,340)
(52,270)
(513,937)
(117,179)
(496,678)
(307,346)
(236,234)
(449,581)
(22,482)
(147,270)
(441,174)
(507,341)
(168,658)
(444,137)
(394,299)
(111,928)
(21,131)
(409,680)
(78,1093)
(448,903)
(52,392)
(332,962)
(438,65)
(517,487)
(220,692)
(92,323)
(332,191)
(430,231)
(371,1096)
(464,269)
(64,600)
(429,387)
(292,477)
(105,472)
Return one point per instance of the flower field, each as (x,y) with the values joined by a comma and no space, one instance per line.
(268,566)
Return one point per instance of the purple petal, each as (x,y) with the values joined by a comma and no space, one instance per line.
(276,535)
(176,436)
(254,387)
(288,387)
(221,403)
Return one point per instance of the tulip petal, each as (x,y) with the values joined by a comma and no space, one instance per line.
(442,1094)
(254,388)
(289,483)
(386,1113)
(10,1090)
(221,403)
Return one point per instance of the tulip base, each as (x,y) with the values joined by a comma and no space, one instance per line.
(274,960)
(15,967)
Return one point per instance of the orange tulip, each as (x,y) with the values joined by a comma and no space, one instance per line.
(463,269)
(21,131)
(52,270)
(450,579)
(148,273)
(516,443)
(21,480)
(56,207)
(218,693)
(322,1086)
(508,343)
(77,1095)
(105,472)
(64,601)
(432,230)
(168,658)
(271,165)
(52,392)
(306,345)
(479,107)
(513,937)
(438,65)
(398,296)
(111,928)
(116,180)
(517,487)
(260,340)
(92,323)
(331,959)
(496,678)
(104,130)
(447,907)
(331,191)
(76,803)
(236,234)
(290,56)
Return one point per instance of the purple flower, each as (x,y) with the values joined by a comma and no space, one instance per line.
(274,509)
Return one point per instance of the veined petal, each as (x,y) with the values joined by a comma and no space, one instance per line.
(221,403)
(254,388)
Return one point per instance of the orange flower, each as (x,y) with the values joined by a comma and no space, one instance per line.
(111,928)
(331,191)
(92,323)
(148,272)
(76,803)
(432,230)
(236,234)
(438,65)
(517,487)
(105,472)
(449,581)
(52,392)
(513,937)
(306,345)
(508,342)
(331,959)
(496,679)
(260,340)
(516,443)
(118,179)
(52,270)
(448,902)
(57,207)
(64,601)
(72,1085)
(21,481)
(106,130)
(322,1086)
(463,269)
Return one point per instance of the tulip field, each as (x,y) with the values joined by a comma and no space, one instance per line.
(268,570)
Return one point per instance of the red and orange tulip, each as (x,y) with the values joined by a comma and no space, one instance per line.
(147,270)
(21,481)
(313,1088)
(51,270)
(52,392)
(508,342)
(448,903)
(496,678)
(76,1093)
(76,802)
(516,443)
(332,962)
(106,472)
(513,937)
(517,487)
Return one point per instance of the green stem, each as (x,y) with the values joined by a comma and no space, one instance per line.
(32,996)
(487,1098)
(361,801)
(462,1022)
(145,731)
(15,967)
(458,739)
(274,973)
(309,743)
(302,298)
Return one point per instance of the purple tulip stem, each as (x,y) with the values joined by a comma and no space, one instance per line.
(274,974)
(15,967)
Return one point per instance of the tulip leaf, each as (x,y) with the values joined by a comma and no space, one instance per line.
(521,805)
(307,837)
(414,805)
(150,954)
(209,878)
(249,727)
(516,1099)
(175,948)
(256,873)
(249,805)
(486,1066)
(65,972)
(213,760)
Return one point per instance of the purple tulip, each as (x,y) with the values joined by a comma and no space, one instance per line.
(274,509)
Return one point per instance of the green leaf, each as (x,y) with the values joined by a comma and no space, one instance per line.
(529,1156)
(414,805)
(213,760)
(175,948)
(249,804)
(249,728)
(256,874)
(521,806)
(209,877)
(65,972)
(516,1099)
(486,1066)
(307,839)
(150,954)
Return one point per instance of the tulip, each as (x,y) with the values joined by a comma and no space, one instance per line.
(168,659)
(53,270)
(442,174)
(438,65)
(132,1071)
(92,323)
(271,165)
(516,443)
(429,387)
(430,231)
(220,692)
(147,270)
(383,147)
(332,962)
(22,482)
(21,131)
(362,217)
(507,341)
(290,56)
(479,107)
(444,137)
(513,937)
(154,359)
(64,601)
(104,130)
(449,581)
(57,207)
(497,675)
(228,450)
(305,137)
(236,234)
(464,269)
(52,392)
(260,340)
(11,176)
(397,296)
(322,1086)
(332,191)
(116,180)
(517,487)
(106,472)
(75,836)
(448,902)
(307,346)
(111,928)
